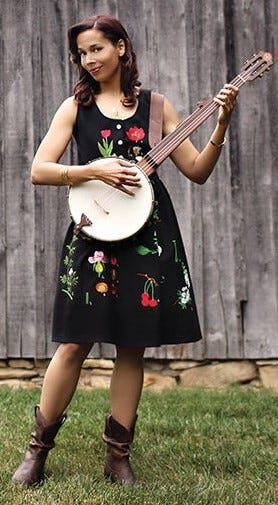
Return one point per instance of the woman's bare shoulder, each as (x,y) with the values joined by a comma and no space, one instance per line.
(67,111)
(69,105)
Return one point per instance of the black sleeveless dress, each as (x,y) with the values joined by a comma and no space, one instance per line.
(135,293)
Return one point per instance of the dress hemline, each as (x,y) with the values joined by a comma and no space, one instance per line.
(126,344)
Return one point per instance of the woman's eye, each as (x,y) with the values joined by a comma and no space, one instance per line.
(82,54)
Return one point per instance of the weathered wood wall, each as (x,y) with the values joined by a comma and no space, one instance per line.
(186,49)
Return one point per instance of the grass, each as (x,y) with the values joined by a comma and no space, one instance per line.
(191,447)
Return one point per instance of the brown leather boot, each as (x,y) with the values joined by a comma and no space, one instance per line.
(31,470)
(118,440)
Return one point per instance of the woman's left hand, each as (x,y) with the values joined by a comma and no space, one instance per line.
(226,98)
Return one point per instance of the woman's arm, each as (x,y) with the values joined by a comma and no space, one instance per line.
(198,166)
(46,168)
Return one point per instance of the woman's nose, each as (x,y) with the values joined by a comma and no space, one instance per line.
(90,58)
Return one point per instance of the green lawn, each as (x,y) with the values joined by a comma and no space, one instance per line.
(192,447)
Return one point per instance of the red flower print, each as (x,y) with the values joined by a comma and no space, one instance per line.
(105,148)
(113,261)
(105,133)
(135,134)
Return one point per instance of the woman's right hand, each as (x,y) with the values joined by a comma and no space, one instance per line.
(117,173)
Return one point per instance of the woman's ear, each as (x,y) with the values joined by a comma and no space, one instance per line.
(121,47)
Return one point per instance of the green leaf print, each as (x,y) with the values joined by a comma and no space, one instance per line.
(143,251)
(105,149)
(69,281)
(184,298)
(70,278)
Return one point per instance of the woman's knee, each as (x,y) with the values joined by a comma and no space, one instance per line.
(130,354)
(74,352)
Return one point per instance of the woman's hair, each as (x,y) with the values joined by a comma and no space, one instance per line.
(87,86)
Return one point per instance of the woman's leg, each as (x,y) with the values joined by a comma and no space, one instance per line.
(126,385)
(125,390)
(59,385)
(61,379)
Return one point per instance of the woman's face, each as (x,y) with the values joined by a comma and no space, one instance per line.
(99,56)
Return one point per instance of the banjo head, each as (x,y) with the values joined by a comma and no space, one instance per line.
(114,215)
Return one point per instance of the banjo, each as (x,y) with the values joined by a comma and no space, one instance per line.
(105,213)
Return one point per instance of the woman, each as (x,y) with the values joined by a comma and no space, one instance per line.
(135,293)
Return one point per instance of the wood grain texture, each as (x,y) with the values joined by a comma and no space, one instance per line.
(185,50)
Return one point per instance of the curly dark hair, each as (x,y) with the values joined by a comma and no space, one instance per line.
(87,86)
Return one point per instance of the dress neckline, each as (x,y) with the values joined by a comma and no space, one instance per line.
(117,119)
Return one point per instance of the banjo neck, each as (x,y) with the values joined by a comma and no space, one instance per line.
(253,68)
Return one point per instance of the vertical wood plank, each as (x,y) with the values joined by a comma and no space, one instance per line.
(19,202)
(3,245)
(257,154)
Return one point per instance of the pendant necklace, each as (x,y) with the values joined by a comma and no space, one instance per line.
(115,112)
(117,108)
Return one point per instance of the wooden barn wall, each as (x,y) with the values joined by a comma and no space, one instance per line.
(186,49)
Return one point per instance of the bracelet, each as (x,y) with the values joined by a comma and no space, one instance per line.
(218,145)
(65,176)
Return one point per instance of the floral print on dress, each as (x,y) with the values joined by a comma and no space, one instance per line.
(106,148)
(106,269)
(108,277)
(134,135)
(102,287)
(98,261)
(70,279)
(184,293)
(184,297)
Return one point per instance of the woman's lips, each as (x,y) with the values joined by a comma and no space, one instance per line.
(95,70)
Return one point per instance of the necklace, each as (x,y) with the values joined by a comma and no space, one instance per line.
(115,109)
(112,107)
(115,112)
